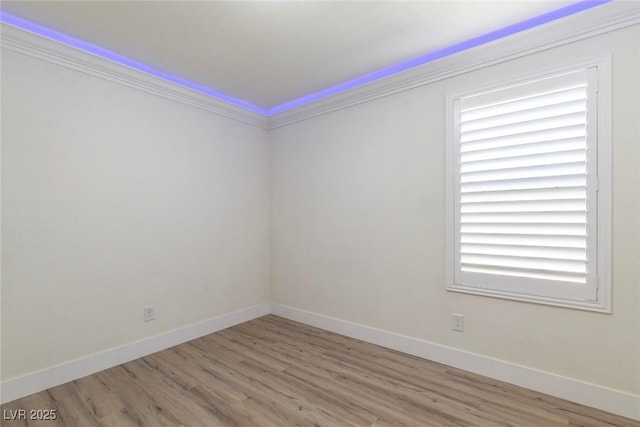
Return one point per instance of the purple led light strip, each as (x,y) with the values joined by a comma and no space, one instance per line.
(439,54)
(40,30)
(350,84)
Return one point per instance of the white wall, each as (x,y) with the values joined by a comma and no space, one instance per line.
(113,199)
(358,227)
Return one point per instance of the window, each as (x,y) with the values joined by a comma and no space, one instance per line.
(529,171)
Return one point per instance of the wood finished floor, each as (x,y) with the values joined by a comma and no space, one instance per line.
(275,372)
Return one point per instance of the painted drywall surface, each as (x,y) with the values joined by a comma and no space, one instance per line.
(358,227)
(113,199)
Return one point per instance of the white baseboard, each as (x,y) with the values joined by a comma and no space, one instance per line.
(34,382)
(606,399)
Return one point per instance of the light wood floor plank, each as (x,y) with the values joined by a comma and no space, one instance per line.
(273,372)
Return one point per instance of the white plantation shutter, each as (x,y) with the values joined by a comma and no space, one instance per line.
(525,188)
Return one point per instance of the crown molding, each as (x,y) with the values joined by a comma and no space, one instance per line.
(600,20)
(35,46)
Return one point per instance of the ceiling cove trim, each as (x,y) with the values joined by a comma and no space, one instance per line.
(39,47)
(99,51)
(363,80)
(110,66)
(572,28)
(444,52)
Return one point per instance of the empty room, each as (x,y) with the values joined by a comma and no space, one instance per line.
(320,213)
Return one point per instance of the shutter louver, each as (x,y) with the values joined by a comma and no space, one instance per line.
(522,181)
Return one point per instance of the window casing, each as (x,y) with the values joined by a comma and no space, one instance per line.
(528,197)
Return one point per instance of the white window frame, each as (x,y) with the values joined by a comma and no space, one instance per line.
(520,290)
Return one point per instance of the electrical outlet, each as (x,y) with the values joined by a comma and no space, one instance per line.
(149,313)
(458,322)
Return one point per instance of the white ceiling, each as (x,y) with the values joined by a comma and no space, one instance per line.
(270,52)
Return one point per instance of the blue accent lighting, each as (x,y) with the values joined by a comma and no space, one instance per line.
(439,54)
(307,99)
(40,30)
